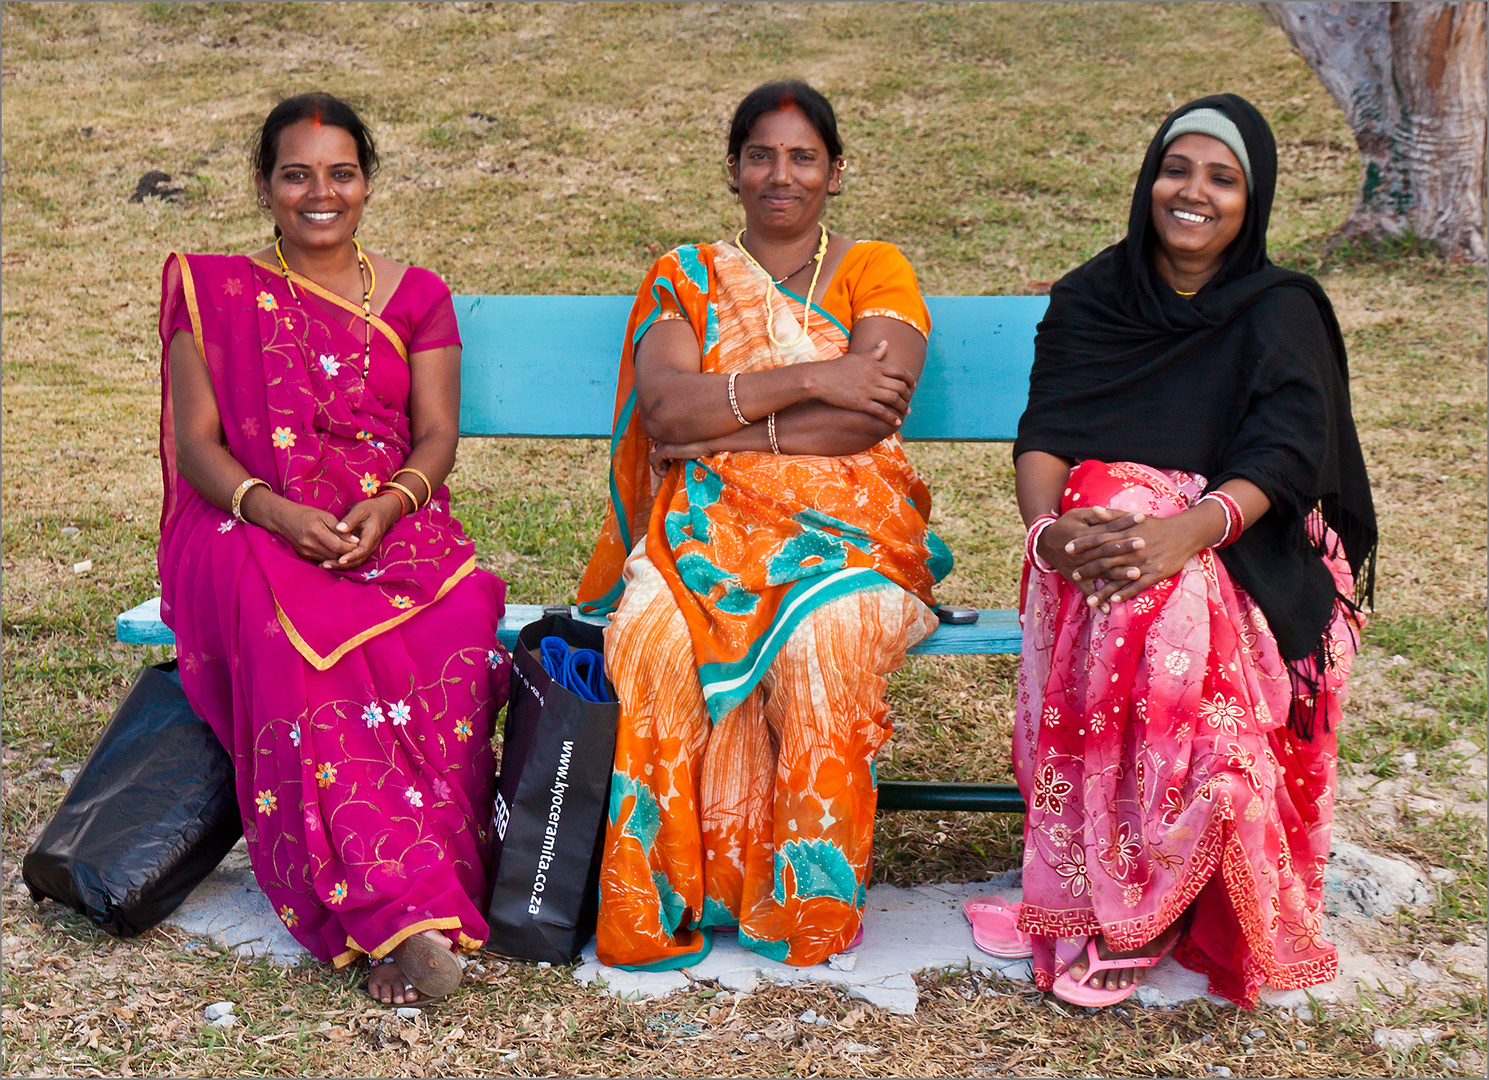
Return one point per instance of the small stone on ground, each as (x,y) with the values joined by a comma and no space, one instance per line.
(1403,1039)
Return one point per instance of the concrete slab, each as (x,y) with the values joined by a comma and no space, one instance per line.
(906,931)
(911,930)
(231,910)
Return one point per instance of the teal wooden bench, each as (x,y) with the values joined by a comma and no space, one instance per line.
(544,367)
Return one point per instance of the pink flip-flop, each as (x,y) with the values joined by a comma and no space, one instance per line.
(995,927)
(1077,992)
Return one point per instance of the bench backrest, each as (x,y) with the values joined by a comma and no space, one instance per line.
(545,365)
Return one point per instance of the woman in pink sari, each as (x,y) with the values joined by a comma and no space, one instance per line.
(1201,539)
(330,620)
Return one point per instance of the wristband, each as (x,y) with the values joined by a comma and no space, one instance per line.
(1031,542)
(1235,523)
(734,401)
(243,489)
(770,429)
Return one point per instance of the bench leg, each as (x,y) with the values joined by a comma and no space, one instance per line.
(932,795)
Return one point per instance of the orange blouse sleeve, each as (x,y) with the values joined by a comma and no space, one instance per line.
(877,281)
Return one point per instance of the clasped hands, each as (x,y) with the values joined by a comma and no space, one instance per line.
(864,382)
(1113,556)
(336,543)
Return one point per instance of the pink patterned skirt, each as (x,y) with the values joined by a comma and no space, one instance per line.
(1151,746)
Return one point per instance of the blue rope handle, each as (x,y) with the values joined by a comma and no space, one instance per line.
(580,671)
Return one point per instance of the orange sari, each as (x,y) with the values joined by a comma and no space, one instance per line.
(759,602)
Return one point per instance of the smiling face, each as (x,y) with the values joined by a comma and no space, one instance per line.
(316,189)
(784,174)
(1199,201)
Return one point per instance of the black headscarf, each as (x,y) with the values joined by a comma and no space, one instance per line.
(1248,378)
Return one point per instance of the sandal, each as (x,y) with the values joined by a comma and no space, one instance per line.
(995,927)
(432,968)
(1076,992)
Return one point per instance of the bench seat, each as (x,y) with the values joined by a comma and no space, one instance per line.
(994,632)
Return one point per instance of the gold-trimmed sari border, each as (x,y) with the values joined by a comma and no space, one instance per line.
(193,310)
(445,922)
(322,663)
(343,303)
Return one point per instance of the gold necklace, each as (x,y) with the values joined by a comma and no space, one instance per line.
(369,283)
(770,322)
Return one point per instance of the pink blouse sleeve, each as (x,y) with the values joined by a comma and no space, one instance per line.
(434,325)
(178,318)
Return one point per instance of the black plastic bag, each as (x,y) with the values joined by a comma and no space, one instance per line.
(551,802)
(151,813)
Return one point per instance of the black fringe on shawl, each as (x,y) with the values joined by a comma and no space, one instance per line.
(1311,691)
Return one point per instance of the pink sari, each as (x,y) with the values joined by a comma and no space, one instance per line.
(1151,745)
(357,705)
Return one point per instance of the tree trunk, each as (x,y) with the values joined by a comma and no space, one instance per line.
(1411,79)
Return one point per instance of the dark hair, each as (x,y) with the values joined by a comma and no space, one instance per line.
(324,109)
(785,94)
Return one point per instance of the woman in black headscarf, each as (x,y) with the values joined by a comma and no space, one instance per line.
(1201,538)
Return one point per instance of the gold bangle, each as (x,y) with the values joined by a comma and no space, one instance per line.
(396,488)
(734,401)
(770,429)
(427,485)
(403,508)
(243,489)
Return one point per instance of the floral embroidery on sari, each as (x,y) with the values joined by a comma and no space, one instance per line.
(345,698)
(1149,745)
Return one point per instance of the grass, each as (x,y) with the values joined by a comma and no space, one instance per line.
(559,148)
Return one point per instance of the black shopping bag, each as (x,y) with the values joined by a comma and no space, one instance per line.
(150,814)
(551,801)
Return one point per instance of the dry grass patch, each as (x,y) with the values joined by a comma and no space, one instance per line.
(91,1006)
(559,148)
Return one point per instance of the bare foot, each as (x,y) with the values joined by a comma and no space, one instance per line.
(1122,978)
(388,983)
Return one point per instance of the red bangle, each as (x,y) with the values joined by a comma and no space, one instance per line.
(1235,522)
(1031,542)
(390,488)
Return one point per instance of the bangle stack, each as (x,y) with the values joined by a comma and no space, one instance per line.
(1235,523)
(403,494)
(770,429)
(243,489)
(412,504)
(428,487)
(1031,542)
(734,401)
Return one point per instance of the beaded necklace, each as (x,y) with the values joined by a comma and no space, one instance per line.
(770,322)
(369,283)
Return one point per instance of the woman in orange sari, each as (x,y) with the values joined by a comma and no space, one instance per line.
(767,558)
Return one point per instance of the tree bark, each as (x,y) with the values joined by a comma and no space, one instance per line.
(1411,79)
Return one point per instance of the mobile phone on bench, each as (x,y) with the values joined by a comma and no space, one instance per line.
(956,616)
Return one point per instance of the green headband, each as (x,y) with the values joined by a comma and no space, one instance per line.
(1217,125)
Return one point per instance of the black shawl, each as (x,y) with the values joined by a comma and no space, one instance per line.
(1248,378)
